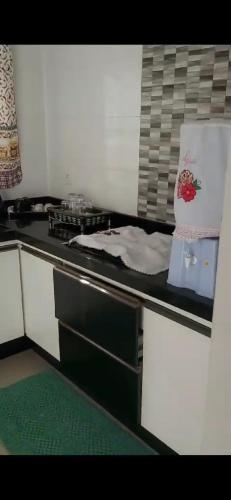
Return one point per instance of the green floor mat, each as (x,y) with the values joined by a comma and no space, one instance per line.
(44,415)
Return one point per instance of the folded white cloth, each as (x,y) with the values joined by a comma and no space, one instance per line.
(145,253)
(205,149)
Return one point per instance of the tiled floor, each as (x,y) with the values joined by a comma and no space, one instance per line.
(23,365)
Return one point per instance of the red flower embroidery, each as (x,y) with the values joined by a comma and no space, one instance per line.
(187,186)
(188,192)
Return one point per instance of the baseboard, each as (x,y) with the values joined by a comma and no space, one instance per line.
(44,354)
(155,442)
(14,346)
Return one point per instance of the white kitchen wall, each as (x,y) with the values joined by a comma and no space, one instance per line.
(93,95)
(29,94)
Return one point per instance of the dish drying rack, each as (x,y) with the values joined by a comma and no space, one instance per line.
(92,219)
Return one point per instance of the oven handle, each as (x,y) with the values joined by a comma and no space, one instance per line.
(86,280)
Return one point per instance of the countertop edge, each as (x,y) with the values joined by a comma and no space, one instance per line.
(181,316)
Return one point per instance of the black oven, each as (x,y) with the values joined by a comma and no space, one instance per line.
(100,341)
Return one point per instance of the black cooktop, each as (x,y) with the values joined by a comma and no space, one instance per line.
(66,233)
(99,253)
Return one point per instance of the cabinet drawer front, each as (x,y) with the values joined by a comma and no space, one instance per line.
(111,383)
(106,317)
(11,313)
(41,324)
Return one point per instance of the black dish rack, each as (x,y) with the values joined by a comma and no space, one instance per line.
(93,220)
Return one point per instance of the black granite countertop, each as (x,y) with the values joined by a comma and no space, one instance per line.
(35,233)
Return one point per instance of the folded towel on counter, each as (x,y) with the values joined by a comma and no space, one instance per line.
(145,253)
(205,152)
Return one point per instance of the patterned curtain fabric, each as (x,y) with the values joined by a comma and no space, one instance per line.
(10,165)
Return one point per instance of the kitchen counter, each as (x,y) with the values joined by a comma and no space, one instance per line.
(35,233)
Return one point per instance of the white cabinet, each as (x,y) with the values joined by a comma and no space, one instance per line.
(11,313)
(217,434)
(39,307)
(175,370)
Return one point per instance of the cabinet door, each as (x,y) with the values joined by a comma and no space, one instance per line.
(11,314)
(39,307)
(175,369)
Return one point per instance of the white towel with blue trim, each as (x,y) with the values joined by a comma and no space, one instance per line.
(145,253)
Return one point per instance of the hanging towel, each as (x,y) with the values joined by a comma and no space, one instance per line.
(145,253)
(10,165)
(199,191)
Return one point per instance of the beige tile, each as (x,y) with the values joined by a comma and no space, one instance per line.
(20,366)
(3,450)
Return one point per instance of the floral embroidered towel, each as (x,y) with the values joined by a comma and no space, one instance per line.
(205,149)
(10,165)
